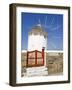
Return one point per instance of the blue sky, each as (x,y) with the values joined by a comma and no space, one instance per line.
(52,23)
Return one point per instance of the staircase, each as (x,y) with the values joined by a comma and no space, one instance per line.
(37,71)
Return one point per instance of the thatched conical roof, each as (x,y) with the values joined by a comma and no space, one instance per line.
(38,30)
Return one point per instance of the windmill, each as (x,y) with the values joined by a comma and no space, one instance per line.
(49,27)
(37,38)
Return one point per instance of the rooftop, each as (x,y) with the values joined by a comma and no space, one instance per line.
(38,29)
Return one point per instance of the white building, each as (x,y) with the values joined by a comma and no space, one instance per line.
(37,38)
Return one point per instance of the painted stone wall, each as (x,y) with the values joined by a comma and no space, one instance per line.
(36,42)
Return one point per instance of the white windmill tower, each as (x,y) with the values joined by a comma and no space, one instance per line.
(37,38)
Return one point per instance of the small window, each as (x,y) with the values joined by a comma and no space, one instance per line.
(44,36)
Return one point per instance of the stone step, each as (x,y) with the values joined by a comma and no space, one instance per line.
(37,68)
(37,74)
(37,71)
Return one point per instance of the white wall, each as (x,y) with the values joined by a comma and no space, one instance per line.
(4,45)
(36,42)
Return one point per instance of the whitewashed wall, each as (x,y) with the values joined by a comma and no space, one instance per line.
(36,42)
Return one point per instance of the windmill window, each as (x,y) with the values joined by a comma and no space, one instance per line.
(44,36)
